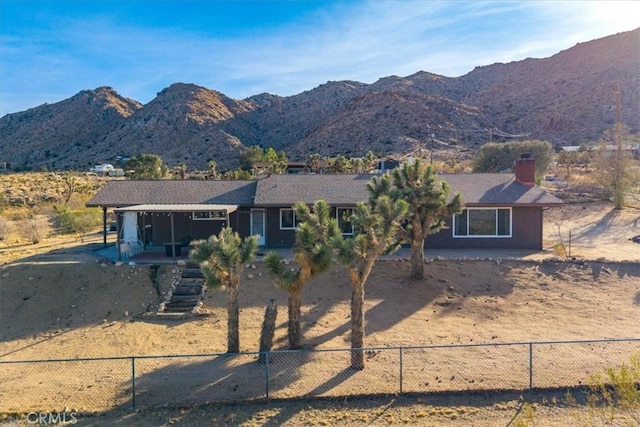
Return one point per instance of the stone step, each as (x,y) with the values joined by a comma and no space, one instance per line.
(184,298)
(192,273)
(171,315)
(186,293)
(190,282)
(179,308)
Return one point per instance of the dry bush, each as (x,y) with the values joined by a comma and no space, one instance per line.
(5,228)
(34,229)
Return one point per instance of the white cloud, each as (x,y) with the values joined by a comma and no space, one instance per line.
(346,41)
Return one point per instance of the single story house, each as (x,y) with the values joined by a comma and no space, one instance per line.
(501,210)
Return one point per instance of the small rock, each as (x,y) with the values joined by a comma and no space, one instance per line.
(250,276)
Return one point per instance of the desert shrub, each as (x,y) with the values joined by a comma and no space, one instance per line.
(78,222)
(34,229)
(614,398)
(5,228)
(526,417)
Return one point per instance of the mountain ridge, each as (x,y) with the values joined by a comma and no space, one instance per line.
(566,99)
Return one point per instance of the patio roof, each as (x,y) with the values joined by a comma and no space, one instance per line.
(205,207)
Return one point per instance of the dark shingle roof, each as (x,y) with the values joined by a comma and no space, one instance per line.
(285,190)
(128,193)
(476,189)
(497,189)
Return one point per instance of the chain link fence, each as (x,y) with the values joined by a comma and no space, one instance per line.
(100,384)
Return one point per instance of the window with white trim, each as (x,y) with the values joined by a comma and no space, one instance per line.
(288,220)
(482,222)
(343,216)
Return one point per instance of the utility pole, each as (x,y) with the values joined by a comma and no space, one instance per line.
(618,191)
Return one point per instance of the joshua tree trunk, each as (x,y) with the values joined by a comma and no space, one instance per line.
(357,324)
(233,322)
(417,257)
(295,297)
(268,329)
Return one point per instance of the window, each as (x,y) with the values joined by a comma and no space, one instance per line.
(482,223)
(288,219)
(343,215)
(219,215)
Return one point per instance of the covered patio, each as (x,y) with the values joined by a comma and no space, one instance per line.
(168,229)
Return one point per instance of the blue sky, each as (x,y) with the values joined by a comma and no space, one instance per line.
(50,50)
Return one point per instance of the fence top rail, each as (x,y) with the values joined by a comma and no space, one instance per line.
(328,350)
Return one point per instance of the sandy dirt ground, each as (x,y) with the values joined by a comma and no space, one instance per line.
(64,304)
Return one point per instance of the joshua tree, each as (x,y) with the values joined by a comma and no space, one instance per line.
(268,329)
(313,255)
(222,260)
(376,226)
(213,170)
(429,206)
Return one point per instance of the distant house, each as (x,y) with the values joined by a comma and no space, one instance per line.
(502,210)
(102,168)
(291,168)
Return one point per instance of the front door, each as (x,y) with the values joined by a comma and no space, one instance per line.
(258,225)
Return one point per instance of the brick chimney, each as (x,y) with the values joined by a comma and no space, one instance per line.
(526,170)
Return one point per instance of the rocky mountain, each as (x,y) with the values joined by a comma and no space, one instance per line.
(568,98)
(60,133)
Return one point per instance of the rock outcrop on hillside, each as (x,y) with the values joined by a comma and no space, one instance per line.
(567,99)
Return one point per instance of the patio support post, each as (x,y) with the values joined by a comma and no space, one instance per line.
(173,236)
(118,237)
(104,226)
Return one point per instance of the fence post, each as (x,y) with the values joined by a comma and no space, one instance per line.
(401,370)
(266,373)
(133,383)
(530,365)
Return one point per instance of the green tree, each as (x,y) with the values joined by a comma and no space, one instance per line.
(496,157)
(249,156)
(376,227)
(147,166)
(78,222)
(613,163)
(278,160)
(313,254)
(340,164)
(429,206)
(222,260)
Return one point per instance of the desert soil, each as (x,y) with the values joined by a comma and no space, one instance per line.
(59,302)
